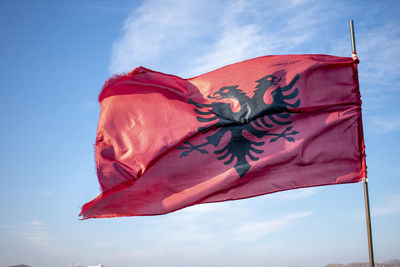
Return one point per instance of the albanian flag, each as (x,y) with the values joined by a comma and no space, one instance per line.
(259,126)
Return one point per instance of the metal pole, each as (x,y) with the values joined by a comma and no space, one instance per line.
(368,218)
(365,180)
(353,41)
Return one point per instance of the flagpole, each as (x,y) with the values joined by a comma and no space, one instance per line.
(365,180)
(368,218)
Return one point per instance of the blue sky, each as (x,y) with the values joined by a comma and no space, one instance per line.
(55,57)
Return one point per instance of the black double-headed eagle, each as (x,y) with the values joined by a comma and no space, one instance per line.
(255,117)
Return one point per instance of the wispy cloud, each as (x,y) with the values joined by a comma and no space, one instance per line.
(89,105)
(35,223)
(100,244)
(158,31)
(246,32)
(35,233)
(191,37)
(28,225)
(254,230)
(227,208)
(210,236)
(294,194)
(379,49)
(202,223)
(383,124)
(391,206)
(379,72)
(237,39)
(37,237)
(212,230)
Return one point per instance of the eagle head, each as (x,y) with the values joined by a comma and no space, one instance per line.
(269,80)
(225,92)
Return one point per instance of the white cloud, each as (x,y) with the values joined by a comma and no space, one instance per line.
(227,207)
(190,241)
(254,230)
(33,232)
(159,29)
(192,37)
(197,212)
(203,223)
(378,46)
(89,105)
(236,41)
(216,225)
(383,125)
(36,234)
(291,195)
(27,225)
(392,206)
(379,51)
(100,244)
(35,223)
(258,34)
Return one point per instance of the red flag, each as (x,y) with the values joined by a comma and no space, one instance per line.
(263,125)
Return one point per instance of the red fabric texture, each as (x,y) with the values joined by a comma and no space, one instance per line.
(149,121)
